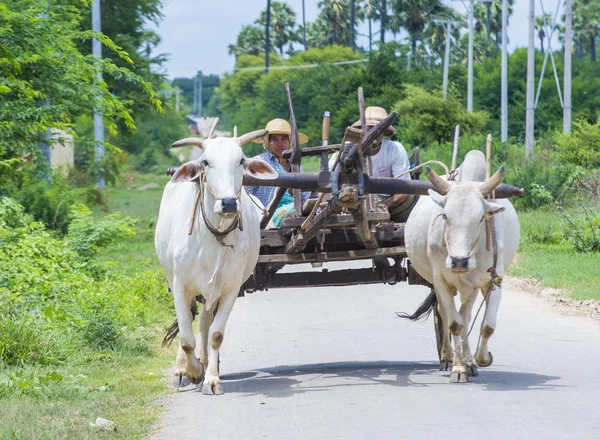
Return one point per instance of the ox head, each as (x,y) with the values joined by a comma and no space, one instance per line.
(464,208)
(223,164)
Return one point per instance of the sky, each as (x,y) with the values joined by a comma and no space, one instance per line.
(196,33)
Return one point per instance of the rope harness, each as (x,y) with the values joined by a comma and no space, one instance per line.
(219,234)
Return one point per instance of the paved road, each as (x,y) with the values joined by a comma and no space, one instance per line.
(335,363)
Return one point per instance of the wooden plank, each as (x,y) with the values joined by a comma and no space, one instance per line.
(272,238)
(314,151)
(336,220)
(360,254)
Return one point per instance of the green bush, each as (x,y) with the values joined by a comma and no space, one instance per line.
(580,147)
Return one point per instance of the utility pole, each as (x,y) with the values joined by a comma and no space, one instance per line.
(470,61)
(383,14)
(529,119)
(567,77)
(98,121)
(504,83)
(199,76)
(352,11)
(304,26)
(448,28)
(267,41)
(195,101)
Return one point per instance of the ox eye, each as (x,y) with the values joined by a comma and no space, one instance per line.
(242,160)
(444,216)
(205,162)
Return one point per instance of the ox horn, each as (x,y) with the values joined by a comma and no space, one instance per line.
(439,184)
(188,141)
(490,184)
(245,138)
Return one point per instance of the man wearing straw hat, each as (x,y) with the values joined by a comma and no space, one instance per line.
(388,159)
(276,142)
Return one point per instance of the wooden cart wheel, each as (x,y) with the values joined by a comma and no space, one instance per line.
(439,331)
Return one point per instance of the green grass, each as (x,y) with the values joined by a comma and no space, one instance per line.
(117,386)
(547,255)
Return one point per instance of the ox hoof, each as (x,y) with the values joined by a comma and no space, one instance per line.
(459,375)
(472,369)
(210,390)
(181,381)
(484,362)
(445,365)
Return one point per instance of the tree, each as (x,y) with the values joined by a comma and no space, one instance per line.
(41,63)
(414,17)
(586,25)
(283,25)
(332,25)
(250,41)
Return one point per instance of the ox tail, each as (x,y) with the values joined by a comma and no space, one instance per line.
(422,313)
(173,329)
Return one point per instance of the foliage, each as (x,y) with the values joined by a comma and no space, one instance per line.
(57,288)
(427,117)
(45,81)
(581,146)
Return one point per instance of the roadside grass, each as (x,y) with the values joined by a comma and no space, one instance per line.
(546,254)
(123,384)
(118,386)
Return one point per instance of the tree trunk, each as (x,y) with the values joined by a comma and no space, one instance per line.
(593,48)
(304,26)
(267,42)
(370,37)
(352,37)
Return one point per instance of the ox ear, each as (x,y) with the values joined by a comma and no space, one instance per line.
(437,197)
(188,172)
(260,169)
(492,208)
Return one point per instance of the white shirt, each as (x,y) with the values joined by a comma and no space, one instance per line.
(390,160)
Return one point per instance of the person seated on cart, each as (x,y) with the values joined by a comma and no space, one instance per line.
(388,159)
(276,142)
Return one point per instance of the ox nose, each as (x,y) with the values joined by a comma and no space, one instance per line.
(229,205)
(460,264)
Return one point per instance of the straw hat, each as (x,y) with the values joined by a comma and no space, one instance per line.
(374,115)
(280,126)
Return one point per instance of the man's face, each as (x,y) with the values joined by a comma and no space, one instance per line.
(278,143)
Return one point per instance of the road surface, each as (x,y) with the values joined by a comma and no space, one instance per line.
(336,363)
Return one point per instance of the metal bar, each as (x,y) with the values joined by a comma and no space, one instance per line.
(360,254)
(321,182)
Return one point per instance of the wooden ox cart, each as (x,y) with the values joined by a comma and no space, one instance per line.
(347,223)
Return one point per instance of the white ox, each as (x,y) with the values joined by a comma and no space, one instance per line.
(203,263)
(446,243)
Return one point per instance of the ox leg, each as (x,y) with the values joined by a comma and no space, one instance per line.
(206,319)
(193,369)
(446,351)
(216,332)
(483,357)
(446,299)
(465,312)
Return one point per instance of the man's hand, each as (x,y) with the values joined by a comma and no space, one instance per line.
(394,201)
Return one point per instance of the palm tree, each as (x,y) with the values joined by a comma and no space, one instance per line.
(282,24)
(413,16)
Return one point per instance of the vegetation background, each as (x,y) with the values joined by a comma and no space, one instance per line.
(82,299)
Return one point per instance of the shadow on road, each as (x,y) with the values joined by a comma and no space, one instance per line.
(287,380)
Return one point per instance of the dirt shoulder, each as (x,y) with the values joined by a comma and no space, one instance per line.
(556,297)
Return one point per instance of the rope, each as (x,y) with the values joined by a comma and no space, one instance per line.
(443,165)
(219,235)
